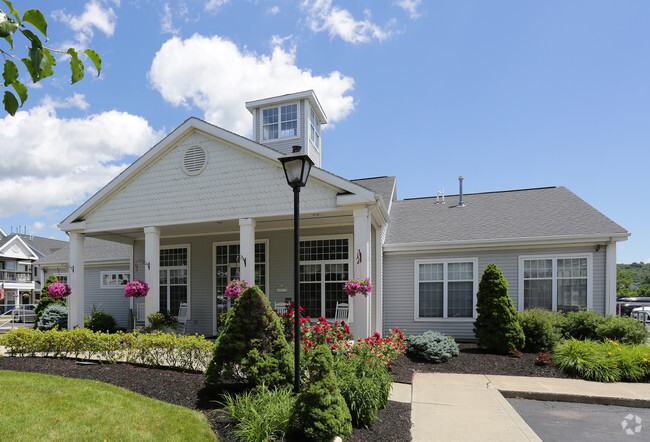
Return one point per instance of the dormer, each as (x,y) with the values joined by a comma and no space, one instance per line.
(289,120)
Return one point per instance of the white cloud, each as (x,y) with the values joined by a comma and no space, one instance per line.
(274,10)
(50,161)
(166,24)
(221,83)
(646,261)
(95,16)
(411,7)
(214,5)
(340,23)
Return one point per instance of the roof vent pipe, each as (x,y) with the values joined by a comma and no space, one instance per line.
(460,202)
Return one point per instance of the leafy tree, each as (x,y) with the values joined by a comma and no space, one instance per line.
(497,325)
(39,60)
(623,283)
(639,272)
(50,279)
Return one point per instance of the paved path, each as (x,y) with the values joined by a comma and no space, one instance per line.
(453,407)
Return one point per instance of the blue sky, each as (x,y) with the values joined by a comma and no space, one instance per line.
(508,94)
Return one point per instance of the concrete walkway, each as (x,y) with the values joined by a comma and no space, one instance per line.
(454,407)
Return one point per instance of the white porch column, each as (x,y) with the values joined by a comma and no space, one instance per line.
(247,250)
(362,267)
(610,278)
(76,279)
(152,271)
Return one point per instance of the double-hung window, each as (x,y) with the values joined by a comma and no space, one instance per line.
(280,122)
(314,129)
(445,288)
(111,279)
(174,277)
(555,282)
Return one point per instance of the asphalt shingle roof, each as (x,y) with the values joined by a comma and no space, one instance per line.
(94,249)
(382,185)
(41,246)
(527,213)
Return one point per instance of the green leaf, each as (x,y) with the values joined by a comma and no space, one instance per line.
(10,102)
(7,28)
(39,64)
(33,38)
(10,41)
(95,58)
(10,72)
(21,90)
(35,17)
(12,11)
(76,66)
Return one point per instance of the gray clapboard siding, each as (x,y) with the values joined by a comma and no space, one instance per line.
(109,300)
(399,284)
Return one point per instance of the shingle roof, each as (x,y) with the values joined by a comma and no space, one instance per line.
(41,246)
(527,213)
(383,185)
(94,250)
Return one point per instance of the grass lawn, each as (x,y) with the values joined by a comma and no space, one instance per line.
(44,407)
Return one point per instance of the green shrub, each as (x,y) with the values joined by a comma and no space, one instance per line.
(539,329)
(364,383)
(99,321)
(161,320)
(582,325)
(44,303)
(261,414)
(497,326)
(321,412)
(432,346)
(622,329)
(252,347)
(53,316)
(155,349)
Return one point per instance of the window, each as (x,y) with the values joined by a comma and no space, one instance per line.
(445,289)
(64,278)
(108,280)
(555,283)
(280,122)
(314,128)
(174,270)
(324,268)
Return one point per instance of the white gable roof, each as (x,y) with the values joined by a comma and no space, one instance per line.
(242,179)
(17,248)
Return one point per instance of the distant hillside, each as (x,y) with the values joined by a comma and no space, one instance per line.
(637,270)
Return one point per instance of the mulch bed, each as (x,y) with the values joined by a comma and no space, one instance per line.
(475,360)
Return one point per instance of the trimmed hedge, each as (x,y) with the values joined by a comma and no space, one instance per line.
(155,349)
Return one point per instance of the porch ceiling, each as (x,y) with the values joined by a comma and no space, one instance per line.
(222,227)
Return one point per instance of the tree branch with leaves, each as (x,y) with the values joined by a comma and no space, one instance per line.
(39,60)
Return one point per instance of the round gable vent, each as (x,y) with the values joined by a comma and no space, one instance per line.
(194,160)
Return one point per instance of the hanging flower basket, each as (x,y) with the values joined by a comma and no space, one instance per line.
(58,290)
(136,289)
(235,287)
(358,286)
(2,294)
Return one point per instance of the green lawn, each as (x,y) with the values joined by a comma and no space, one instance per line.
(44,407)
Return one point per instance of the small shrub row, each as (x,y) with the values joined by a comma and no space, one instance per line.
(606,361)
(99,321)
(156,349)
(544,329)
(432,346)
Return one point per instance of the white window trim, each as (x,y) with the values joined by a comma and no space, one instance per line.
(112,272)
(279,123)
(554,257)
(214,276)
(189,274)
(309,125)
(416,291)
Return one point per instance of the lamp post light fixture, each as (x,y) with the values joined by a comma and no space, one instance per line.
(296,166)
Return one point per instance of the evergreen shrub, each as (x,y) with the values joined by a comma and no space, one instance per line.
(321,413)
(252,347)
(582,325)
(99,321)
(539,329)
(497,324)
(623,329)
(432,346)
(44,303)
(53,316)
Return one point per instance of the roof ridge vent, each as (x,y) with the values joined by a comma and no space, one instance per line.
(195,159)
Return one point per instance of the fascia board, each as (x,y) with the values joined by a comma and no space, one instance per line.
(310,95)
(88,262)
(440,245)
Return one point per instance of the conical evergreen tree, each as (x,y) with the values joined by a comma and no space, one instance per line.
(497,325)
(252,347)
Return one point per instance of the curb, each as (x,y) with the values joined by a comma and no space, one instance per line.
(576,398)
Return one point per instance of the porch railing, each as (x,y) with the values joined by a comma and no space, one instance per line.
(15,276)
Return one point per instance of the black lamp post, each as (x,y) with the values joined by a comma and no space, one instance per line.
(296,168)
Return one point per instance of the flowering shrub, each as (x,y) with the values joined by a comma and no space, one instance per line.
(357,286)
(136,289)
(58,290)
(385,349)
(235,287)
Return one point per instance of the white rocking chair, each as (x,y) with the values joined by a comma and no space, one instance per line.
(342,312)
(139,319)
(182,318)
(281,308)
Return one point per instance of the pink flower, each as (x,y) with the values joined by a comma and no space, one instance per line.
(136,289)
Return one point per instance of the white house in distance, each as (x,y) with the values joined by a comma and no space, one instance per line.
(205,205)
